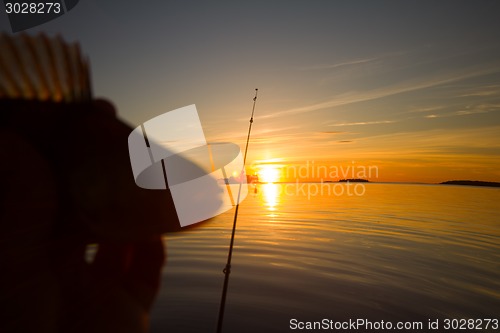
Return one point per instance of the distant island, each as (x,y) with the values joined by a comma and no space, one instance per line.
(471,183)
(353,180)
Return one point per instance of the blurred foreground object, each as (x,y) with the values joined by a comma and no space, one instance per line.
(66,184)
(43,69)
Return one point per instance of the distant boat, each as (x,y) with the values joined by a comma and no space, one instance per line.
(252,179)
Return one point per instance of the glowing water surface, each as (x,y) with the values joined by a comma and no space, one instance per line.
(398,252)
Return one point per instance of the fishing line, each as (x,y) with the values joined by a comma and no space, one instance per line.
(227,269)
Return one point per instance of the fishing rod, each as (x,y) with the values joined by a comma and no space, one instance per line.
(227,269)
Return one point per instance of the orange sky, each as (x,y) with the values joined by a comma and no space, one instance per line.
(414,157)
(410,87)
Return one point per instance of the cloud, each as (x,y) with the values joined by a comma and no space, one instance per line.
(425,109)
(365,123)
(490,90)
(342,64)
(356,61)
(333,132)
(432,141)
(477,109)
(256,132)
(356,97)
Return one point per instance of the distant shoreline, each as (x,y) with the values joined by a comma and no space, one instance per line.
(470,183)
(353,180)
(449,182)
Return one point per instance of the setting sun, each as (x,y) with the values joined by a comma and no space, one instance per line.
(269,174)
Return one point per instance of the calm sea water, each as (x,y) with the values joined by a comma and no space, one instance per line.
(396,253)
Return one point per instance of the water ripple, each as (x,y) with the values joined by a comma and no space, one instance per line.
(400,252)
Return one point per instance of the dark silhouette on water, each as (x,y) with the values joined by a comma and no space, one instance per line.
(65,187)
(67,183)
(353,180)
(471,183)
(252,179)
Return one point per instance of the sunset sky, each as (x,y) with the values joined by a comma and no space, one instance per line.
(412,87)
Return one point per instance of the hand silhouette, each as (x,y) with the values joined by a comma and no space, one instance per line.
(66,184)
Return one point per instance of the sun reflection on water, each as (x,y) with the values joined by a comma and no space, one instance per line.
(270,195)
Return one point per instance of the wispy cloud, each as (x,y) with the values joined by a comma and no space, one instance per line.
(490,90)
(473,138)
(470,110)
(356,97)
(257,132)
(425,109)
(332,132)
(354,62)
(341,64)
(365,123)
